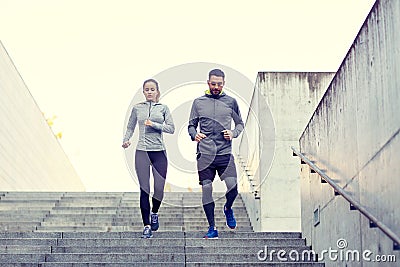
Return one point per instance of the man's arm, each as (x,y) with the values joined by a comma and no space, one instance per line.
(237,118)
(193,122)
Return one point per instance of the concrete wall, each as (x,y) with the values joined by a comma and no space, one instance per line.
(354,136)
(283,103)
(31,159)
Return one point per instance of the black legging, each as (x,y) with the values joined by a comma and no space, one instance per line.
(159,163)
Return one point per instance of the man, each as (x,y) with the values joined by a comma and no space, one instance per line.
(213,113)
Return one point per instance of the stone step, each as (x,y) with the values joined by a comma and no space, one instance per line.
(25,206)
(247,256)
(157,249)
(133,213)
(107,228)
(137,241)
(138,225)
(99,194)
(8,235)
(38,198)
(104,229)
(240,249)
(127,219)
(254,264)
(21,218)
(31,202)
(22,258)
(117,257)
(259,243)
(163,225)
(86,211)
(99,215)
(136,229)
(130,250)
(162,264)
(24,249)
(21,226)
(24,209)
(17,228)
(34,195)
(164,234)
(27,212)
(108,264)
(248,235)
(109,242)
(29,241)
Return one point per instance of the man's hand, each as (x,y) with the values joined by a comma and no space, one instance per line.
(228,135)
(126,144)
(199,136)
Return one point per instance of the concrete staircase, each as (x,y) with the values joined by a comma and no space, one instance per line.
(104,229)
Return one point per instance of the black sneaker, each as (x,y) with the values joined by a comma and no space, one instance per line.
(154,222)
(147,232)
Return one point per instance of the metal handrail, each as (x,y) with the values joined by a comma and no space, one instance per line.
(357,205)
(253,186)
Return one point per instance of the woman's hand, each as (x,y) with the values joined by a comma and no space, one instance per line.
(148,122)
(126,144)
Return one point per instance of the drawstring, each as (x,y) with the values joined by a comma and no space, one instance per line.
(149,109)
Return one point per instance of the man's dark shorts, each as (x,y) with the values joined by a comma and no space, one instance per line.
(209,165)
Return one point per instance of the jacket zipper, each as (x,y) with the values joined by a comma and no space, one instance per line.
(149,109)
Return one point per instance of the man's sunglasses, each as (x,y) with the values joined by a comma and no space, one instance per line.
(219,84)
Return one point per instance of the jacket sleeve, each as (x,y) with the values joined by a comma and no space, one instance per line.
(168,125)
(237,118)
(193,121)
(130,128)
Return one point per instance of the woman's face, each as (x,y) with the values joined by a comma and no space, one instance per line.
(150,91)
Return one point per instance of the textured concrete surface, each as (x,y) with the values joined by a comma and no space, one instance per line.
(354,137)
(30,155)
(282,105)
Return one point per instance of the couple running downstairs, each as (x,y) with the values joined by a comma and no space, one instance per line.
(209,125)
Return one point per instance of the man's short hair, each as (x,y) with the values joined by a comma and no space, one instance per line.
(216,72)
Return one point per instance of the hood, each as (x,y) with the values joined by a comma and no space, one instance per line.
(209,94)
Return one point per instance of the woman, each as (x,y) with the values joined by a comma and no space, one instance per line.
(153,119)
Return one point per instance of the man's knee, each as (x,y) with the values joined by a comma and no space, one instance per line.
(206,182)
(231,183)
(207,192)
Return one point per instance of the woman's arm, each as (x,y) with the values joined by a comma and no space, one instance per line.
(168,125)
(130,128)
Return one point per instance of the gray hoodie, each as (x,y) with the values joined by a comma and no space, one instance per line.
(213,114)
(150,137)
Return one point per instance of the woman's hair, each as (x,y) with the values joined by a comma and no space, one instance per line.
(156,83)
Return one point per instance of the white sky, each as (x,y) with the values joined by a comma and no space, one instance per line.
(83,60)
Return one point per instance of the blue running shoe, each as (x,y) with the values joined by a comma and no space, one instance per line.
(147,232)
(154,222)
(212,233)
(230,219)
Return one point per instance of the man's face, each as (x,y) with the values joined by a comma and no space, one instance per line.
(216,84)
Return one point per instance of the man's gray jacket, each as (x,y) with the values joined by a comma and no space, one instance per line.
(213,114)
